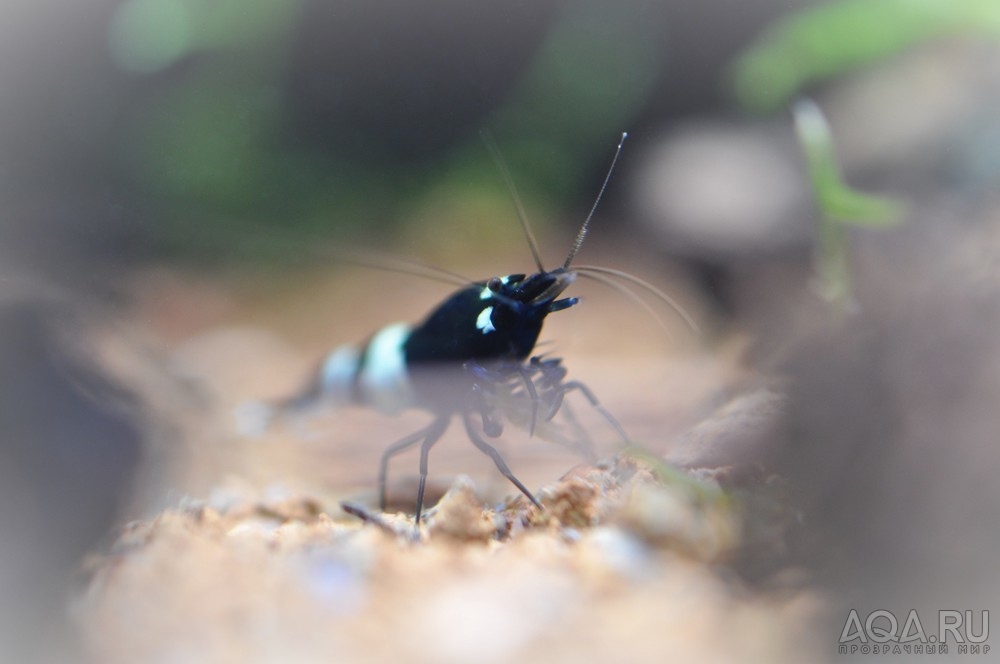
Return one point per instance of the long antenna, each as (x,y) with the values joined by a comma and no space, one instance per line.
(586,222)
(372,259)
(642,283)
(630,294)
(494,149)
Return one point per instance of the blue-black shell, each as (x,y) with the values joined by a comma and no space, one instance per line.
(453,333)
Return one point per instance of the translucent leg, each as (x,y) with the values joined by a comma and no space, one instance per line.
(401,446)
(580,387)
(492,453)
(434,433)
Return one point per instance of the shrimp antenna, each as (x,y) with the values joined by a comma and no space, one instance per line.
(586,222)
(378,261)
(498,159)
(642,283)
(632,295)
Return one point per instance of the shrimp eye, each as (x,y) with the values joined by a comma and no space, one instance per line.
(494,284)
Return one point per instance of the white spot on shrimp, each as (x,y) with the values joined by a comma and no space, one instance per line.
(383,379)
(485,321)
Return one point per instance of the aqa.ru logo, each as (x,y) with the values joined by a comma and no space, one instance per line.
(880,633)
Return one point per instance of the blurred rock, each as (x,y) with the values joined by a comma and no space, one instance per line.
(890,430)
(732,200)
(70,445)
(207,585)
(722,190)
(735,437)
(460,514)
(574,502)
(666,516)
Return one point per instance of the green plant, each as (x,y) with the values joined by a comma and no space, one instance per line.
(839,205)
(830,39)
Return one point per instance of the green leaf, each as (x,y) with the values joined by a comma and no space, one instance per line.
(858,209)
(836,37)
(836,199)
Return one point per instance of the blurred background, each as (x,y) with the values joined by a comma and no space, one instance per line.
(175,175)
